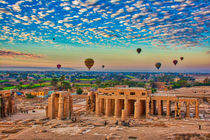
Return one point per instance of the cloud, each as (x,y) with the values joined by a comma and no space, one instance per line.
(12,53)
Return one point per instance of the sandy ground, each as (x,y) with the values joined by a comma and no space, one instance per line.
(92,128)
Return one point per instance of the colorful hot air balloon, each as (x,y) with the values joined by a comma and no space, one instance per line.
(181,58)
(58,66)
(102,66)
(89,63)
(138,50)
(158,65)
(175,62)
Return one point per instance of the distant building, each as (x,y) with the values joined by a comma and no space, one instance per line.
(159,85)
(121,86)
(176,79)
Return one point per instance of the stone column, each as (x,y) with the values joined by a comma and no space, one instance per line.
(117,108)
(101,105)
(97,106)
(197,110)
(124,116)
(70,106)
(60,108)
(141,107)
(137,110)
(159,108)
(67,108)
(108,107)
(168,112)
(175,109)
(153,107)
(51,113)
(126,107)
(188,109)
(147,108)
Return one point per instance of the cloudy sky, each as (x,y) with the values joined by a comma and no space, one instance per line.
(44,33)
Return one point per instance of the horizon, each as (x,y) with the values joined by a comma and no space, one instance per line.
(66,69)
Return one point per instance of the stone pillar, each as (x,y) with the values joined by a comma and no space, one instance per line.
(70,106)
(188,109)
(97,106)
(147,108)
(60,108)
(141,108)
(108,107)
(124,115)
(175,109)
(126,107)
(153,107)
(159,108)
(197,110)
(67,108)
(101,103)
(46,111)
(51,113)
(137,110)
(117,108)
(168,112)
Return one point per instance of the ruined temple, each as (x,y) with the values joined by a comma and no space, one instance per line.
(7,103)
(139,102)
(60,105)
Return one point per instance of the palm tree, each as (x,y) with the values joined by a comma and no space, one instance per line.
(40,82)
(66,85)
(54,82)
(62,78)
(19,86)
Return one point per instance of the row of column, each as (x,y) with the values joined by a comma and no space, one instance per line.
(141,107)
(63,109)
(176,108)
(121,110)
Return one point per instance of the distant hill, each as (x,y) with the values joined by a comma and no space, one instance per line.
(19,68)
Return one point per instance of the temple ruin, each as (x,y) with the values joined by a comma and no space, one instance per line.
(7,103)
(139,102)
(60,105)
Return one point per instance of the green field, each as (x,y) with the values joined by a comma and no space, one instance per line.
(27,85)
(47,79)
(2,81)
(129,76)
(82,79)
(7,88)
(85,85)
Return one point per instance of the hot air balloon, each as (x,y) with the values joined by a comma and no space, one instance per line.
(138,50)
(175,62)
(58,66)
(89,62)
(102,66)
(158,65)
(181,58)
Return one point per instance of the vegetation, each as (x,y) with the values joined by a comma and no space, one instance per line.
(79,91)
(29,96)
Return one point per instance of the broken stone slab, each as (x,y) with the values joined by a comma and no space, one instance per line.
(3,136)
(11,131)
(43,119)
(55,125)
(43,131)
(133,137)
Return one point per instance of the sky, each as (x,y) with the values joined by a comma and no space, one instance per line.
(44,33)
